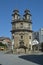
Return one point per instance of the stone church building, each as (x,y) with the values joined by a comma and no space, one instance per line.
(22,31)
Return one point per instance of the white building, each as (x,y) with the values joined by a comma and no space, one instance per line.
(41,35)
(35,45)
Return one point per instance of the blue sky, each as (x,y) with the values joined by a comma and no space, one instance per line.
(6,8)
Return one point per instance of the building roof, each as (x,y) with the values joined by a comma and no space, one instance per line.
(27,11)
(15,10)
(35,42)
(2,38)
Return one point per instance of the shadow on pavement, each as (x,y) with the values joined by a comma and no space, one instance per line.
(38,59)
(0,64)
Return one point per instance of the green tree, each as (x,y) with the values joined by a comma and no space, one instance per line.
(4,45)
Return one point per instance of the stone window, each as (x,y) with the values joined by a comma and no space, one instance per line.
(21,37)
(21,25)
(29,26)
(21,43)
(29,37)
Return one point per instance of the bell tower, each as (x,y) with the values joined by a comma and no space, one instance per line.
(22,31)
(27,15)
(15,15)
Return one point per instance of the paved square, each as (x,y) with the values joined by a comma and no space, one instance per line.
(11,59)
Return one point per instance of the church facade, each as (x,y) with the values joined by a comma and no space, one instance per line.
(22,31)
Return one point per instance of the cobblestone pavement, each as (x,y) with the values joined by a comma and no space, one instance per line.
(11,59)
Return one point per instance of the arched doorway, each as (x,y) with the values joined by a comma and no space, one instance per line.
(22,46)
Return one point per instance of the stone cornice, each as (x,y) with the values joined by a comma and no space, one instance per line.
(17,21)
(21,30)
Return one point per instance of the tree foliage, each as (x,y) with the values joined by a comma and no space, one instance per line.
(1,44)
